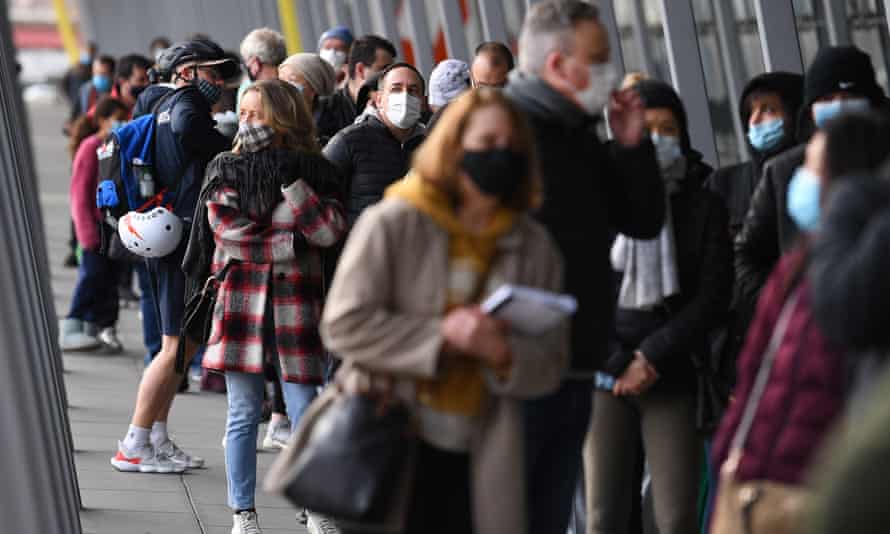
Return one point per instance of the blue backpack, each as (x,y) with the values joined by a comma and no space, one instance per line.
(127,180)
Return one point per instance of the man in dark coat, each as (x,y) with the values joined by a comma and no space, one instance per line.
(840,79)
(564,81)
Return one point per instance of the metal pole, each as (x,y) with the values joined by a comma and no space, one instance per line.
(641,34)
(778,36)
(385,21)
(308,32)
(453,28)
(44,496)
(681,39)
(338,14)
(492,15)
(730,51)
(361,17)
(607,16)
(419,30)
(836,21)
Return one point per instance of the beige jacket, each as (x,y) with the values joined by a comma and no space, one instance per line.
(383,316)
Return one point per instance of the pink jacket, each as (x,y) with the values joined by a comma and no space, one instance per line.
(84,179)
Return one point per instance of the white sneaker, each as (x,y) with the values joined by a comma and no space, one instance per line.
(179,456)
(73,336)
(277,436)
(319,524)
(245,523)
(144,460)
(108,337)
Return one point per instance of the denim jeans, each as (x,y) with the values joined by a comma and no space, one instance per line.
(245,396)
(151,332)
(95,296)
(555,428)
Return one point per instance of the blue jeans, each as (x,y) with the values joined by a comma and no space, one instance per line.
(555,428)
(95,295)
(245,395)
(151,332)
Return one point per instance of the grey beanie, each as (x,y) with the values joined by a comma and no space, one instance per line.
(449,79)
(318,72)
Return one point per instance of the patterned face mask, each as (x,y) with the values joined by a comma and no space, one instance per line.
(255,137)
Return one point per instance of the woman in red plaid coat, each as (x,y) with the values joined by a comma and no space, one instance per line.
(270,208)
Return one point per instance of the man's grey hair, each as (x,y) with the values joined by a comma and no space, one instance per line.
(548,27)
(265,44)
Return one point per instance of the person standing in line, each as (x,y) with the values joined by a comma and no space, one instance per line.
(266,220)
(333,47)
(563,83)
(672,292)
(465,205)
(262,51)
(185,141)
(312,75)
(492,62)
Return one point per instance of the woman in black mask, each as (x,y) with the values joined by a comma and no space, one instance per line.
(266,211)
(405,304)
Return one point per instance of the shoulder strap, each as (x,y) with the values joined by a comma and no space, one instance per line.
(763,373)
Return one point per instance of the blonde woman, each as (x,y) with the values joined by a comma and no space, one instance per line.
(270,209)
(404,303)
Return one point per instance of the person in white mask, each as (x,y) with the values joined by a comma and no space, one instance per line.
(333,47)
(563,82)
(377,151)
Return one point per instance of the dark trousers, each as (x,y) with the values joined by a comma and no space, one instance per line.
(555,427)
(440,500)
(95,296)
(151,331)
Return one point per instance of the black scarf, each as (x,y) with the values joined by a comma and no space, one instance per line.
(258,178)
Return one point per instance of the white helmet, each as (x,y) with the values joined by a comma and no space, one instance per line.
(153,234)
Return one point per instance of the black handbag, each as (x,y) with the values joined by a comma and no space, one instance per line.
(348,458)
(198,317)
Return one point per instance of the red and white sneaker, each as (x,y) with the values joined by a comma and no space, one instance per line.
(144,460)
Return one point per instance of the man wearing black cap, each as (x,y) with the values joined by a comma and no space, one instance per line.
(840,79)
(185,141)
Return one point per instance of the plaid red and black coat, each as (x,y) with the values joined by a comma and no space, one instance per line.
(278,258)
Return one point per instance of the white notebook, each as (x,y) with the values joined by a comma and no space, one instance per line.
(529,310)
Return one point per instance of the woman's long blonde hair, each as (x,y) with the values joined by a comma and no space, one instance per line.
(284,109)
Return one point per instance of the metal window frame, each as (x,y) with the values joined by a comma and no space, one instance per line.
(778,36)
(733,65)
(384,17)
(453,29)
(607,17)
(681,41)
(419,31)
(836,22)
(494,27)
(641,36)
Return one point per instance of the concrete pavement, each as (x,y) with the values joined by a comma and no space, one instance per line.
(102,391)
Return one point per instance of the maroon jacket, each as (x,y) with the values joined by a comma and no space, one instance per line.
(804,395)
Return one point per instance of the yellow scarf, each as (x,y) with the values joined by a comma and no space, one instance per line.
(460,386)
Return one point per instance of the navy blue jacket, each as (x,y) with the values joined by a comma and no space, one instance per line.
(185,141)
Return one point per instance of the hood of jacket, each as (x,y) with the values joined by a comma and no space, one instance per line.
(789,87)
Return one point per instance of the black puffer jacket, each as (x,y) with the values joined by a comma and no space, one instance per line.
(590,189)
(334,113)
(369,159)
(681,327)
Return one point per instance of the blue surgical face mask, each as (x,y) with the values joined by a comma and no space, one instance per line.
(825,111)
(766,135)
(101,83)
(803,199)
(667,149)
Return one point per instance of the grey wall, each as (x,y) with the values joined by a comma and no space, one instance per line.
(125,26)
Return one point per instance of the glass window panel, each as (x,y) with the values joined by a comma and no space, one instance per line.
(868,30)
(644,53)
(812,32)
(728,68)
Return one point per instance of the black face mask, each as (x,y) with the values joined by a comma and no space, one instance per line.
(497,172)
(136,90)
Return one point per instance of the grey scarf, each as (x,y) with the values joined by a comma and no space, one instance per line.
(650,265)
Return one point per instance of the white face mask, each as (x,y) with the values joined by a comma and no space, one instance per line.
(333,56)
(595,96)
(402,110)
